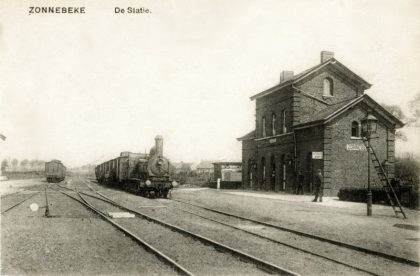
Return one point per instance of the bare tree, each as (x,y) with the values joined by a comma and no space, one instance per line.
(32,163)
(15,163)
(415,109)
(40,164)
(24,163)
(397,112)
(4,164)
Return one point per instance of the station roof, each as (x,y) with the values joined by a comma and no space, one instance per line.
(228,163)
(248,136)
(206,164)
(333,111)
(296,78)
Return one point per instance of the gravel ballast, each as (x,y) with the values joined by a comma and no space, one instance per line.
(72,242)
(292,261)
(195,256)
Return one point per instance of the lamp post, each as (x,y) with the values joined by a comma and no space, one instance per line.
(369,125)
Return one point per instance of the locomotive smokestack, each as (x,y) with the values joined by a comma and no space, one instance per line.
(159,145)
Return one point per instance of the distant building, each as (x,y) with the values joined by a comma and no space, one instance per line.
(179,167)
(205,167)
(312,121)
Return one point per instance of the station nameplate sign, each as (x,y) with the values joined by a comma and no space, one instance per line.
(317,155)
(355,147)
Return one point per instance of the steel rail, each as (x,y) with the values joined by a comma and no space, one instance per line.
(147,246)
(255,234)
(17,204)
(279,242)
(335,242)
(263,265)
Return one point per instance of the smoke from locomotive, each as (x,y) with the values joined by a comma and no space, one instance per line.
(139,173)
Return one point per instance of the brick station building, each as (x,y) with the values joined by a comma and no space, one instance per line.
(312,121)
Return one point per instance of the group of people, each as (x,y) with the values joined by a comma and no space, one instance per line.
(318,184)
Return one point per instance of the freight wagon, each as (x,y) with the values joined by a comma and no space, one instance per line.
(55,171)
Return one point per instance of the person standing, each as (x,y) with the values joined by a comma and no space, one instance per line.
(319,186)
(300,179)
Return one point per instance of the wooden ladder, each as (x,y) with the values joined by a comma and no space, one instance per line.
(389,190)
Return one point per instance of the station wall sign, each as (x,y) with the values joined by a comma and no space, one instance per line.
(317,155)
(355,147)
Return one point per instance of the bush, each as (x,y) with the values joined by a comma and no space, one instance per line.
(407,195)
(407,170)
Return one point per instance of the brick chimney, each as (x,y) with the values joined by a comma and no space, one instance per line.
(326,55)
(285,75)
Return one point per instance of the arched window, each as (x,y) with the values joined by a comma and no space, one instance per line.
(328,87)
(264,132)
(355,129)
(273,124)
(283,123)
(263,168)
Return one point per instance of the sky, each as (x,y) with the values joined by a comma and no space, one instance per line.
(82,88)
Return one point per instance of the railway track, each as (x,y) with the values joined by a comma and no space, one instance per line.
(240,258)
(361,258)
(18,203)
(304,234)
(177,267)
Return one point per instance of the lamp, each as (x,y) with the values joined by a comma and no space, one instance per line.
(369,126)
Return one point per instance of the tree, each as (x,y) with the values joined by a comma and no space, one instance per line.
(32,163)
(407,168)
(15,163)
(40,164)
(397,112)
(415,109)
(24,163)
(4,164)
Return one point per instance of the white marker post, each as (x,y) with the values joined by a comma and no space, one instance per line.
(218,183)
(2,178)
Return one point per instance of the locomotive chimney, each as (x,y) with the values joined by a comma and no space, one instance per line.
(159,145)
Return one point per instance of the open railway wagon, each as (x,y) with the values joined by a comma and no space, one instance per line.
(229,173)
(139,173)
(55,171)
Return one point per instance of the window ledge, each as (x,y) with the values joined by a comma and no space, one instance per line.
(355,138)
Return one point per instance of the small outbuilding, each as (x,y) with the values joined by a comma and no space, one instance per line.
(229,174)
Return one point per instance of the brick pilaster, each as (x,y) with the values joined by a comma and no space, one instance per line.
(295,108)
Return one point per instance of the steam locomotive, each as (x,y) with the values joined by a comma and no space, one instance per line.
(55,171)
(140,173)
